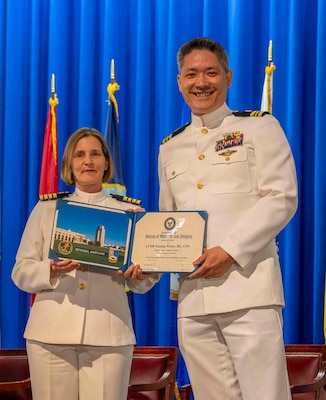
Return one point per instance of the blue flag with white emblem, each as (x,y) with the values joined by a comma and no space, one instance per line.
(117,185)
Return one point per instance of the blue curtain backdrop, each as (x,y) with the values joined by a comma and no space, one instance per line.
(76,41)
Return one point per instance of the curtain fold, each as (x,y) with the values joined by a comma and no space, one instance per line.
(76,41)
(319,215)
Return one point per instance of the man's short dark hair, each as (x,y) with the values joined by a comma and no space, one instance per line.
(203,43)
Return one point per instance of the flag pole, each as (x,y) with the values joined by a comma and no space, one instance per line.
(53,86)
(53,101)
(267,96)
(112,71)
(49,180)
(116,186)
(270,53)
(112,88)
(269,72)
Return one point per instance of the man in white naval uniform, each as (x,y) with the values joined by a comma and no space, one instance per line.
(240,169)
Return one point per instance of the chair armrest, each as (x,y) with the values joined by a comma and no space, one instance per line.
(159,384)
(185,392)
(318,382)
(15,385)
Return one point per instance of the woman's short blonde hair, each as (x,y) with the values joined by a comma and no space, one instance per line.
(66,171)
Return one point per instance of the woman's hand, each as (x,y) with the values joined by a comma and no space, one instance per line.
(134,272)
(138,209)
(58,268)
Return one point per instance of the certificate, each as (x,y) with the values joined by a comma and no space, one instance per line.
(168,241)
(110,238)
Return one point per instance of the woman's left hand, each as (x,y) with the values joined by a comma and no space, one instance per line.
(138,209)
(134,272)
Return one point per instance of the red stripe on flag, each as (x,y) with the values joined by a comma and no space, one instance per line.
(49,168)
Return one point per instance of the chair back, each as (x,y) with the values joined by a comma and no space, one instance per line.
(153,373)
(306,368)
(15,381)
(306,364)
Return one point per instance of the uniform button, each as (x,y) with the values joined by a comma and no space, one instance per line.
(201,156)
(204,131)
(200,185)
(173,173)
(82,286)
(83,269)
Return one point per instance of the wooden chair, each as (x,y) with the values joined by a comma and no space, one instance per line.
(185,392)
(152,377)
(153,373)
(307,372)
(15,382)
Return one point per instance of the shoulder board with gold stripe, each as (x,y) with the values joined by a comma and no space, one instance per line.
(250,113)
(175,133)
(126,199)
(53,196)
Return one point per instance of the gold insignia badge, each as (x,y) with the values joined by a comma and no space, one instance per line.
(227,154)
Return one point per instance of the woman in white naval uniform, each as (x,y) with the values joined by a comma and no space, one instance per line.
(240,169)
(79,334)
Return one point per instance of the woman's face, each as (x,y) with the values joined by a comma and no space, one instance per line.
(88,164)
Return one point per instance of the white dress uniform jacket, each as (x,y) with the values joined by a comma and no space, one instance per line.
(87,306)
(248,186)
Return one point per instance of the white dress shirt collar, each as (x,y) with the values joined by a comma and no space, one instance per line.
(211,120)
(89,197)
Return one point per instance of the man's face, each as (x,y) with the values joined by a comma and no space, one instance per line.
(203,81)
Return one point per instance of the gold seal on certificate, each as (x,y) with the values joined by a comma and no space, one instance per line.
(168,241)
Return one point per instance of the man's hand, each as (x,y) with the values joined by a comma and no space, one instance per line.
(214,263)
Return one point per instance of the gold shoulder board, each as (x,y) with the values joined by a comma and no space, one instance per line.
(53,196)
(175,133)
(126,199)
(250,113)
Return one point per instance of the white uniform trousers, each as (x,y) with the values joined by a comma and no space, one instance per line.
(236,356)
(78,372)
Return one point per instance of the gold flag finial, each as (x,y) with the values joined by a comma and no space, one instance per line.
(268,85)
(53,86)
(112,88)
(270,52)
(112,71)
